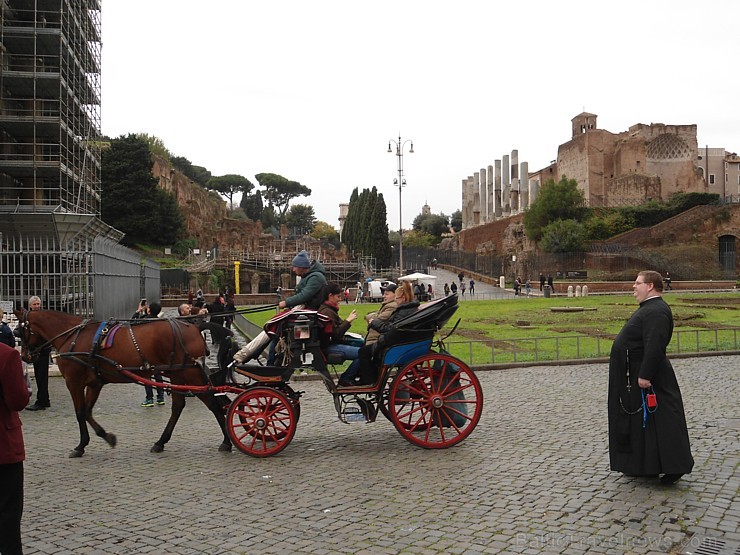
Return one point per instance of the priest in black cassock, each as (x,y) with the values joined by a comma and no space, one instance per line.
(647,436)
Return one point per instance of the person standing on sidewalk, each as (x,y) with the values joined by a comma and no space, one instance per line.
(40,368)
(6,334)
(150,312)
(647,425)
(14,395)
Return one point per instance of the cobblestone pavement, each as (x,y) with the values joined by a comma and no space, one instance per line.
(532,478)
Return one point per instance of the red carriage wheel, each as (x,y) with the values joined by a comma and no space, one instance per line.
(435,401)
(261,421)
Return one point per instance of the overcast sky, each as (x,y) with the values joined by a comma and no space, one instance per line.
(314,90)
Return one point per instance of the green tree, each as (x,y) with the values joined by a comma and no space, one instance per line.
(432,224)
(324,232)
(456,221)
(230,184)
(156,145)
(380,245)
(348,231)
(131,201)
(300,219)
(198,174)
(563,236)
(279,191)
(417,238)
(555,201)
(252,206)
(365,228)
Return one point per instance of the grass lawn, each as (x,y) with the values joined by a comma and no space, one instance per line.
(525,329)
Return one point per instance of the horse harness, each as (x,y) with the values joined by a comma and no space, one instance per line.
(103,338)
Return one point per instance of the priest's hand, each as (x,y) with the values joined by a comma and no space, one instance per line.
(643,383)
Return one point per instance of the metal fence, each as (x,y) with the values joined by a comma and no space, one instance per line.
(580,347)
(91,277)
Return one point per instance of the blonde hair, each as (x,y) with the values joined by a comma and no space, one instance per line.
(408,293)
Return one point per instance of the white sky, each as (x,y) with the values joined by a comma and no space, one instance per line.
(313,90)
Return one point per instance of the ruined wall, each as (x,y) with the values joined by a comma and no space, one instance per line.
(632,190)
(205,214)
(505,236)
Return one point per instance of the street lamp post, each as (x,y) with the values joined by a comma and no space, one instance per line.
(401,182)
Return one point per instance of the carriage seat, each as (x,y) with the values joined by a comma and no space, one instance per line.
(403,353)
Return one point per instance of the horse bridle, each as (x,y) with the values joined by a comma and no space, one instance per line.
(27,332)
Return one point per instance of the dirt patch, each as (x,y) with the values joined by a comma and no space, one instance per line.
(731,303)
(472,334)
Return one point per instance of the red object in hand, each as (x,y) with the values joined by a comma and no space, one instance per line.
(652,400)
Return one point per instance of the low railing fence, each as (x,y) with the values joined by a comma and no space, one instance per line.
(486,352)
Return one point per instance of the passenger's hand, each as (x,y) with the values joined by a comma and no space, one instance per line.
(643,383)
(352,316)
(281,304)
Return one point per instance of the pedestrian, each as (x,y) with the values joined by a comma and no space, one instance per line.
(453,288)
(472,286)
(447,289)
(647,425)
(6,334)
(461,277)
(528,287)
(14,396)
(462,288)
(148,312)
(550,283)
(358,295)
(40,368)
(542,282)
(430,292)
(191,297)
(346,295)
(667,281)
(518,286)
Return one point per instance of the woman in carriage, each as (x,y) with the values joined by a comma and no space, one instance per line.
(406,304)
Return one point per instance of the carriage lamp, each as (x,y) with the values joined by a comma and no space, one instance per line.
(302,328)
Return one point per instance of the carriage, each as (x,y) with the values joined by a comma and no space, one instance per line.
(433,399)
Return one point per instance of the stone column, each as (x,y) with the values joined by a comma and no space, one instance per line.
(497,211)
(476,198)
(523,186)
(514,191)
(465,211)
(534,187)
(483,196)
(489,197)
(505,186)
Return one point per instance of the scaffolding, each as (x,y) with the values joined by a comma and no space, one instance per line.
(50,138)
(52,240)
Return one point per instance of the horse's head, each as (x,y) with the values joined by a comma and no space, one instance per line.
(30,340)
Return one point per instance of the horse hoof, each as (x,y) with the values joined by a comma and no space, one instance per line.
(75,454)
(111,439)
(156,448)
(225,448)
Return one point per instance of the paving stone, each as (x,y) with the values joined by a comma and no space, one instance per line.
(533,478)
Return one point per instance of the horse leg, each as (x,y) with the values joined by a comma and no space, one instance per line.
(77,392)
(213,404)
(178,403)
(92,392)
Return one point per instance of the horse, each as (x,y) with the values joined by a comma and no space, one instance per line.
(91,355)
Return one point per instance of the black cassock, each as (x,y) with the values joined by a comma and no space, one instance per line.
(639,350)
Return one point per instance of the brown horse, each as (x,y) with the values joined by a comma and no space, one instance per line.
(172,346)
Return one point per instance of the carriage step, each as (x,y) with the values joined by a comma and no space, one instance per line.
(353,415)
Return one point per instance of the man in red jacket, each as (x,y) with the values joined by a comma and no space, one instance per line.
(14,396)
